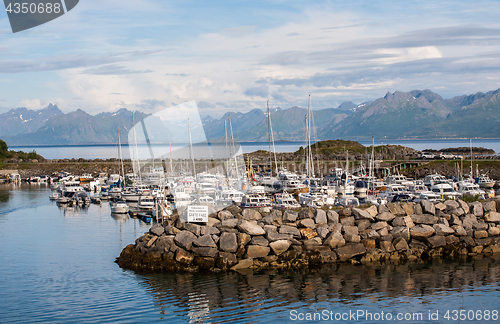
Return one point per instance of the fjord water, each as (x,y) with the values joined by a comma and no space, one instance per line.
(111,151)
(57,266)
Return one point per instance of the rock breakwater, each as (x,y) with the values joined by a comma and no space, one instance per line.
(236,238)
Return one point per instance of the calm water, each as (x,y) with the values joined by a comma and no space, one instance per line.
(57,266)
(110,151)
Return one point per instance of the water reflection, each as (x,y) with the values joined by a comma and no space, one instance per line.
(249,297)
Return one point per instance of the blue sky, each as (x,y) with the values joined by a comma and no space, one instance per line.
(236,55)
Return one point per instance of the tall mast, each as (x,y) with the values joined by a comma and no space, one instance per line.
(309,137)
(306,150)
(120,155)
(135,153)
(191,153)
(171,168)
(471,176)
(232,148)
(269,131)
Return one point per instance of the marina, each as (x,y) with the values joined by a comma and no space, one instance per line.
(58,267)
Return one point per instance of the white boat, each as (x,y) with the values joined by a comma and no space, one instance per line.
(255,201)
(146,202)
(347,201)
(54,195)
(181,198)
(230,196)
(484,181)
(420,192)
(285,201)
(119,207)
(445,190)
(433,179)
(394,190)
(398,179)
(467,187)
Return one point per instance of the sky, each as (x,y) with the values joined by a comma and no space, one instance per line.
(235,55)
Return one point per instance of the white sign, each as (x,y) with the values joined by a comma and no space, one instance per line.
(198,214)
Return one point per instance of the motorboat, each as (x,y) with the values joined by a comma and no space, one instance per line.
(420,192)
(485,182)
(360,189)
(398,179)
(146,202)
(466,187)
(119,207)
(255,201)
(445,190)
(435,178)
(54,195)
(230,196)
(393,190)
(284,201)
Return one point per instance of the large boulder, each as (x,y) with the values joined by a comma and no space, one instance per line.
(362,214)
(333,216)
(251,214)
(424,219)
(335,239)
(157,230)
(257,251)
(443,230)
(385,216)
(280,246)
(421,232)
(228,242)
(492,217)
(185,239)
(205,241)
(428,207)
(320,217)
(476,208)
(286,229)
(290,216)
(351,250)
(250,228)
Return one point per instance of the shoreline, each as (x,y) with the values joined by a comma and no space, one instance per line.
(236,239)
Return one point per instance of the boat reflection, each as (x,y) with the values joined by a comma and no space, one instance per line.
(244,297)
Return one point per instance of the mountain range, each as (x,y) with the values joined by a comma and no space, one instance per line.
(413,114)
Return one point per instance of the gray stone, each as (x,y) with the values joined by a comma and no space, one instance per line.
(275,236)
(417,209)
(424,219)
(363,224)
(184,256)
(400,244)
(257,251)
(440,206)
(229,223)
(386,246)
(228,243)
(243,238)
(193,228)
(250,228)
(351,230)
(333,216)
(259,240)
(379,225)
(480,234)
(334,240)
(436,241)
(290,216)
(352,238)
(372,210)
(383,232)
(209,230)
(157,230)
(396,209)
(492,217)
(171,230)
(480,226)
(215,238)
(306,213)
(443,230)
(351,250)
(421,231)
(224,214)
(286,229)
(165,241)
(347,221)
(212,222)
(274,218)
(492,231)
(243,264)
(457,212)
(270,228)
(451,204)
(385,216)
(335,228)
(369,234)
(489,206)
(185,239)
(320,217)
(322,232)
(204,251)
(251,214)
(205,240)
(362,214)
(383,209)
(463,205)
(306,223)
(401,232)
(428,207)
(455,221)
(225,260)
(280,246)
(476,208)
